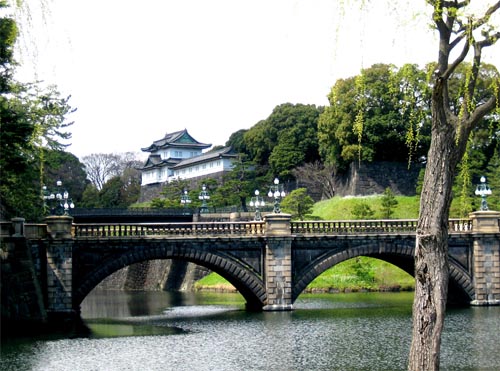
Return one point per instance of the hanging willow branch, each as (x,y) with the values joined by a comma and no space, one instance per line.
(357,128)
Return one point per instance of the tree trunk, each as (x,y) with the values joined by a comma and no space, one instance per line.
(431,249)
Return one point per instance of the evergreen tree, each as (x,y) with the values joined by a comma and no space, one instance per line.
(362,210)
(298,203)
(389,202)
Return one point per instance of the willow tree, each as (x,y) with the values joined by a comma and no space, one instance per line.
(462,35)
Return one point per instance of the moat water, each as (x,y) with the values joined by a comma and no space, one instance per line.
(206,331)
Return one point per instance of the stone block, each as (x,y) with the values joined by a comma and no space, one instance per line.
(277,224)
(59,227)
(485,221)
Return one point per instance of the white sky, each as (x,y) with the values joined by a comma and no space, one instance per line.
(139,69)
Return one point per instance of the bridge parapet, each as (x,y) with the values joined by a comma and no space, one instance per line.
(250,228)
(385,226)
(169,229)
(18,227)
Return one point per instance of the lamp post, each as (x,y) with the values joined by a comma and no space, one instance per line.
(483,190)
(57,201)
(256,202)
(185,199)
(204,196)
(276,190)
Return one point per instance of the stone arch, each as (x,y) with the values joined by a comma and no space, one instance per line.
(400,254)
(461,287)
(248,282)
(324,262)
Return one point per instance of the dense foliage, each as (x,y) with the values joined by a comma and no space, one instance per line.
(298,203)
(283,141)
(371,115)
(33,122)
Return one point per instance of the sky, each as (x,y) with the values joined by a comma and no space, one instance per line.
(137,70)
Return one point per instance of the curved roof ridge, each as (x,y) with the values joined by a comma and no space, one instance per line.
(180,138)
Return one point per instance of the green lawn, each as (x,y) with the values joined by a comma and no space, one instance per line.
(358,274)
(340,208)
(362,273)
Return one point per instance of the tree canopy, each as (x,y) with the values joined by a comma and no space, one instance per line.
(369,116)
(33,119)
(286,139)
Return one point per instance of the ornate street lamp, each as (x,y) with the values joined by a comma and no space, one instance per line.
(257,202)
(483,190)
(185,199)
(204,196)
(57,201)
(276,190)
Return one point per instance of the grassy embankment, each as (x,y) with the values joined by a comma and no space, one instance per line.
(358,274)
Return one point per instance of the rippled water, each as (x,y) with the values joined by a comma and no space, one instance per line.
(165,331)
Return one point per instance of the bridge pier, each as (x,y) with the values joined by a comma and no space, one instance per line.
(278,263)
(60,268)
(486,257)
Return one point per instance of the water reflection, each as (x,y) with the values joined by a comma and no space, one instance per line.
(165,331)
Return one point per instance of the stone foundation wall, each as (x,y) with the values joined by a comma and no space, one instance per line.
(150,191)
(21,294)
(155,275)
(374,177)
(116,281)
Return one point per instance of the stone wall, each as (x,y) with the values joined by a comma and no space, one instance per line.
(155,275)
(150,191)
(21,298)
(369,178)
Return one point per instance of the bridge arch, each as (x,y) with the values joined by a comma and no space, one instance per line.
(400,254)
(246,280)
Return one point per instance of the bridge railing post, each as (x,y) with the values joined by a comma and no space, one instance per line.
(18,226)
(59,227)
(278,262)
(486,257)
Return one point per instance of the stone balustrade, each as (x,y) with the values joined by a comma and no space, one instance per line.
(168,229)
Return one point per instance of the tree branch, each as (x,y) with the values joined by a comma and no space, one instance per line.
(481,21)
(458,60)
(482,110)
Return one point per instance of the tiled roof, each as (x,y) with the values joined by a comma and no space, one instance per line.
(175,139)
(226,152)
(155,161)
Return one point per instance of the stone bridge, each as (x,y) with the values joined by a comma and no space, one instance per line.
(270,263)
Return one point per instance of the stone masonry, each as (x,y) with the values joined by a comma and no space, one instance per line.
(59,276)
(486,258)
(278,263)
